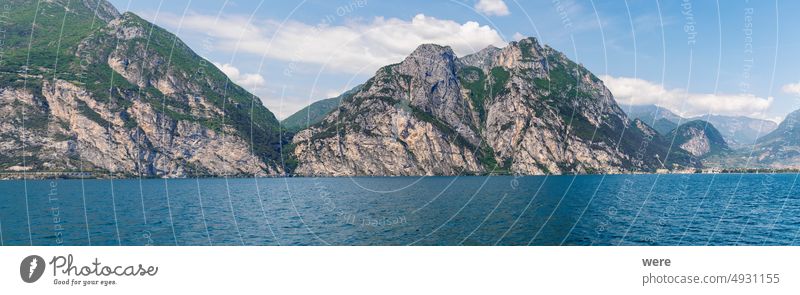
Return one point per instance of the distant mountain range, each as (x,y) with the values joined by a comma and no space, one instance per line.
(781,147)
(660,118)
(117,94)
(738,131)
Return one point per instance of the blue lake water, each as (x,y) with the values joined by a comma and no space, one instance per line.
(724,209)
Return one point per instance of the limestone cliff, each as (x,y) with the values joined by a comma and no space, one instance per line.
(121,95)
(523,109)
(699,138)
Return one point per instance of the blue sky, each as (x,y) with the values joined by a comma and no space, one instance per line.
(694,57)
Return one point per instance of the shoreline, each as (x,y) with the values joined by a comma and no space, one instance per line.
(52,175)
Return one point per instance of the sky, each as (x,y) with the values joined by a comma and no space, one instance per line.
(692,57)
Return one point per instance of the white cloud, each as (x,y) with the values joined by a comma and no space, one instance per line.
(518,36)
(355,47)
(248,81)
(792,88)
(634,91)
(492,7)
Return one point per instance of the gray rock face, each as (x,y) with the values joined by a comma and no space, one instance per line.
(527,125)
(484,59)
(699,138)
(392,143)
(430,80)
(123,107)
(80,132)
(410,119)
(523,109)
(697,144)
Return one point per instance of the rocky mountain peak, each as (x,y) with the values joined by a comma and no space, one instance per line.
(127,27)
(429,49)
(525,55)
(429,78)
(522,109)
(521,54)
(699,138)
(483,59)
(102,9)
(434,60)
(529,45)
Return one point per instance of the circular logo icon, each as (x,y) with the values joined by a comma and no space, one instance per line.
(31,268)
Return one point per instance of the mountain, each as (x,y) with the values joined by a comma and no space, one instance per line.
(651,111)
(661,119)
(315,112)
(524,109)
(117,94)
(699,138)
(739,131)
(781,147)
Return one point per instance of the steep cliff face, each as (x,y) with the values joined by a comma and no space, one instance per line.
(393,127)
(699,138)
(534,119)
(128,97)
(521,109)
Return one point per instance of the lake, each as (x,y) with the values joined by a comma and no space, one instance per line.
(692,209)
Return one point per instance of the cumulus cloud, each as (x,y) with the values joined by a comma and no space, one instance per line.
(355,47)
(634,91)
(248,81)
(792,88)
(492,7)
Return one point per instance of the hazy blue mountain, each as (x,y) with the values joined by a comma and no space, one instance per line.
(315,112)
(739,131)
(781,147)
(661,119)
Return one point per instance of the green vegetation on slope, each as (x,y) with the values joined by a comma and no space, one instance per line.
(315,112)
(53,38)
(473,79)
(47,34)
